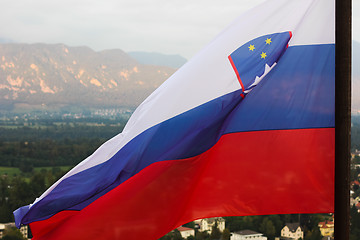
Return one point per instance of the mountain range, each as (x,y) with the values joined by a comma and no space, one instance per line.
(59,75)
(355,101)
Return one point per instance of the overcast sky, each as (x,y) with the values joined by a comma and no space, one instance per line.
(167,26)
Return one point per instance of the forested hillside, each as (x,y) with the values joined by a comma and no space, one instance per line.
(52,145)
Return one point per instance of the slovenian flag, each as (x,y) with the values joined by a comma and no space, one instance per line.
(246,127)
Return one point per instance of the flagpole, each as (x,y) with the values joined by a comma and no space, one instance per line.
(342,118)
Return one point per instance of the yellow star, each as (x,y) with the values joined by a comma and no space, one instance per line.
(263,55)
(268,41)
(251,47)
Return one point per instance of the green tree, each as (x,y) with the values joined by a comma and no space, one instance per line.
(215,232)
(355,235)
(176,235)
(240,223)
(19,194)
(37,184)
(5,208)
(314,234)
(268,228)
(202,236)
(226,234)
(278,224)
(355,221)
(12,234)
(26,166)
(190,225)
(173,235)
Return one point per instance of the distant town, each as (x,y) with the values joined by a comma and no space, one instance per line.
(65,114)
(216,229)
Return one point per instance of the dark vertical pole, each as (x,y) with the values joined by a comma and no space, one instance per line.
(342,118)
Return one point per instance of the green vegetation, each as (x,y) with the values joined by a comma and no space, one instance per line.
(10,171)
(354,214)
(354,176)
(12,234)
(14,171)
(17,191)
(53,143)
(34,156)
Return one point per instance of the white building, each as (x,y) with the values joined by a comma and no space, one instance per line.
(326,228)
(2,228)
(247,235)
(292,231)
(206,224)
(186,232)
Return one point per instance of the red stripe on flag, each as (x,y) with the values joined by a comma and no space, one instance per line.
(290,33)
(237,73)
(248,173)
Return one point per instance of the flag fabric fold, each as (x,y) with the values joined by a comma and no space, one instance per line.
(246,127)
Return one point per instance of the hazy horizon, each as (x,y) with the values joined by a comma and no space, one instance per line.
(175,28)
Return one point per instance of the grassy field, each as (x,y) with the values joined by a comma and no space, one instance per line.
(13,171)
(10,171)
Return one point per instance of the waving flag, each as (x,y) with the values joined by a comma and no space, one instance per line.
(249,61)
(244,128)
